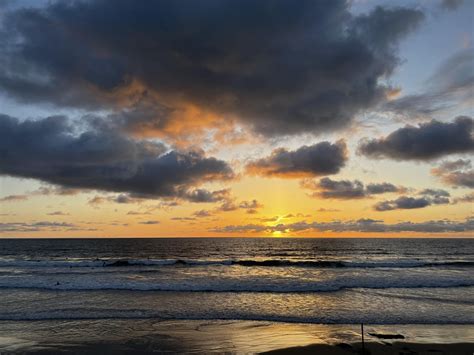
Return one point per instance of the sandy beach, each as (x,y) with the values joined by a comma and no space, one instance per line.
(104,336)
(322,349)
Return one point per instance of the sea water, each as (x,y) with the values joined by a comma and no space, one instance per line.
(327,281)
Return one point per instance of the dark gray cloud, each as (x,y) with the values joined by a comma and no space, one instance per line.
(319,159)
(428,197)
(429,140)
(343,189)
(123,198)
(452,84)
(384,187)
(229,205)
(281,67)
(51,151)
(402,203)
(347,189)
(362,225)
(202,195)
(456,173)
(437,196)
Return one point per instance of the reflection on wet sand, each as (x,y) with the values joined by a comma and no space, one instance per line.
(197,336)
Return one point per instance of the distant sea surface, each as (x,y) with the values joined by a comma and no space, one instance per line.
(331,281)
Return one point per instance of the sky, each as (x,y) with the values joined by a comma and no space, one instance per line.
(219,118)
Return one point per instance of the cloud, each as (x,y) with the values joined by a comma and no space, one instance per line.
(47,226)
(453,165)
(202,213)
(150,222)
(229,205)
(279,67)
(322,209)
(253,204)
(429,197)
(361,225)
(429,140)
(456,173)
(202,195)
(166,205)
(450,86)
(183,219)
(279,218)
(96,200)
(138,213)
(459,178)
(13,198)
(468,198)
(343,189)
(435,192)
(402,203)
(319,159)
(385,187)
(39,192)
(55,190)
(122,198)
(58,213)
(269,219)
(347,189)
(251,211)
(251,207)
(102,159)
(451,4)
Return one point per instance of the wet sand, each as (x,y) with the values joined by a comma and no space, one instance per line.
(320,349)
(143,336)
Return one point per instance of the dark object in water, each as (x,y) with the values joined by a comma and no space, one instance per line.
(387,336)
(119,263)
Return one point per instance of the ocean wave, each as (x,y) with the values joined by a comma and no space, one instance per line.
(345,320)
(228,262)
(232,286)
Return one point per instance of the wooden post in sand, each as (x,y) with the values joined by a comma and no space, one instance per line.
(362,333)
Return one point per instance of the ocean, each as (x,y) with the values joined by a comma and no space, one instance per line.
(291,280)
